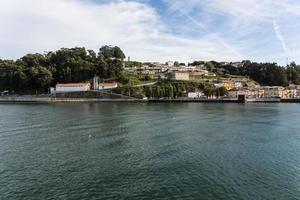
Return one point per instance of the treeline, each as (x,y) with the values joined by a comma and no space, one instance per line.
(263,73)
(38,71)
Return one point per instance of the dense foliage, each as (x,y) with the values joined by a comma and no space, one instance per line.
(37,72)
(163,89)
(263,73)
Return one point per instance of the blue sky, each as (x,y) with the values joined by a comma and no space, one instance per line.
(156,30)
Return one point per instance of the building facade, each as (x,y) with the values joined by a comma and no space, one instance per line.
(71,87)
(195,95)
(180,76)
(107,86)
(273,91)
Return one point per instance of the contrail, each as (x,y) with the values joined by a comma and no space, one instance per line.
(279,36)
(218,39)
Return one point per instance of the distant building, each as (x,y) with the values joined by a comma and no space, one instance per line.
(254,93)
(170,63)
(228,83)
(107,86)
(195,95)
(233,93)
(71,87)
(292,91)
(211,74)
(198,75)
(236,64)
(238,84)
(180,76)
(273,91)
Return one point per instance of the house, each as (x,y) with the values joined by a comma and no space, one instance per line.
(211,74)
(107,86)
(254,93)
(288,93)
(250,93)
(149,73)
(180,76)
(71,87)
(233,93)
(273,91)
(198,74)
(170,63)
(195,95)
(292,91)
(228,83)
(238,84)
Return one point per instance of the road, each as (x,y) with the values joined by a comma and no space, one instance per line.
(145,84)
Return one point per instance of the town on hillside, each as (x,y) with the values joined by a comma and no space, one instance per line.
(153,75)
(80,73)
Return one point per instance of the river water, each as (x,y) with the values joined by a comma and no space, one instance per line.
(149,151)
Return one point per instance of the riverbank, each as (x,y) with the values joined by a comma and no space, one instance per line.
(33,99)
(62,100)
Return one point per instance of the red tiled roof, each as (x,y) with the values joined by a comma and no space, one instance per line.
(72,84)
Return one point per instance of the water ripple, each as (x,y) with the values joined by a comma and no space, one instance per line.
(150,151)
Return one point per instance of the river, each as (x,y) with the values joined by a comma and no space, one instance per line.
(149,151)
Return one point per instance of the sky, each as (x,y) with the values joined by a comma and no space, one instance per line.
(155,30)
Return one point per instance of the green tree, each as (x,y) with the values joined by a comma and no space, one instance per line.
(209,66)
(209,91)
(221,91)
(149,92)
(113,58)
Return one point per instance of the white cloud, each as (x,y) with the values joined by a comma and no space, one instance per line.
(43,25)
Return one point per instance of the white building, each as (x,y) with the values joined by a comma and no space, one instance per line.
(170,63)
(195,95)
(180,76)
(71,87)
(238,84)
(107,86)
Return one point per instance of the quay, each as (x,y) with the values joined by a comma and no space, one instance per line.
(61,100)
(194,101)
(33,99)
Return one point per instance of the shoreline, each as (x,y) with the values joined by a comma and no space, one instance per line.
(91,100)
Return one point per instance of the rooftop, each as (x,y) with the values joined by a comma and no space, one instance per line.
(72,84)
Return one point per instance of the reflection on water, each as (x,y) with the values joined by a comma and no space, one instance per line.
(147,151)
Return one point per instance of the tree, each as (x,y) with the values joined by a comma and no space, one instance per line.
(113,58)
(209,91)
(222,91)
(132,64)
(108,52)
(195,63)
(38,71)
(293,73)
(149,92)
(157,92)
(209,66)
(170,91)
